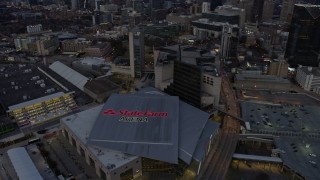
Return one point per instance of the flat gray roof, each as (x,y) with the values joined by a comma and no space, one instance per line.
(285,117)
(23,165)
(258,158)
(297,156)
(81,125)
(118,126)
(69,74)
(262,78)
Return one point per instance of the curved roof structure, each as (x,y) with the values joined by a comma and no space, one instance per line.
(23,165)
(69,74)
(154,125)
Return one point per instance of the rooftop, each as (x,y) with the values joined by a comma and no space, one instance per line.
(81,125)
(24,82)
(189,55)
(299,155)
(263,78)
(23,165)
(310,70)
(69,74)
(284,118)
(100,86)
(154,134)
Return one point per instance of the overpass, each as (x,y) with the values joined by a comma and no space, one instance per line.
(257,158)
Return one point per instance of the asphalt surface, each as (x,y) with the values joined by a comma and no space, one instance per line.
(217,164)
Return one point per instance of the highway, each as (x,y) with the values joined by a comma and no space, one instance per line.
(216,166)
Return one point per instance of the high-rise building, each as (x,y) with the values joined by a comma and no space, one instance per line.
(287,10)
(136,49)
(303,45)
(189,73)
(155,4)
(247,6)
(229,41)
(205,7)
(75,4)
(268,8)
(257,10)
(138,6)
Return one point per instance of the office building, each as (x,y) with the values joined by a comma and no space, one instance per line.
(268,8)
(195,9)
(34,28)
(76,45)
(257,10)
(155,4)
(229,42)
(228,12)
(75,5)
(279,68)
(287,10)
(138,6)
(190,74)
(247,6)
(211,23)
(303,45)
(308,78)
(136,50)
(205,7)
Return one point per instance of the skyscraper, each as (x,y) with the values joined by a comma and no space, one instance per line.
(268,7)
(136,49)
(74,4)
(304,36)
(229,41)
(257,10)
(287,10)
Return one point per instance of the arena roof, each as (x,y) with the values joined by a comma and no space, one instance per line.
(191,135)
(81,124)
(192,120)
(23,165)
(140,125)
(69,74)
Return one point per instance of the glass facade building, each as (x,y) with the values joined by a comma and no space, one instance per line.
(303,45)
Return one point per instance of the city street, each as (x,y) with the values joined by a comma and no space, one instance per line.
(218,163)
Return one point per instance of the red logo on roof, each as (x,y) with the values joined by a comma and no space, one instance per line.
(112,112)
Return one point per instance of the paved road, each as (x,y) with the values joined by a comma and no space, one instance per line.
(218,163)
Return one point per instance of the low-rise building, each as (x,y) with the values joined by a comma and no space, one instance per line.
(261,82)
(308,78)
(77,45)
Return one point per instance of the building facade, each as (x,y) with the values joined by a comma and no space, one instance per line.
(279,68)
(229,42)
(303,45)
(192,75)
(308,78)
(136,50)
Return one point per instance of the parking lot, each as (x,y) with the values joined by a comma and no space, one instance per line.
(281,118)
(301,155)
